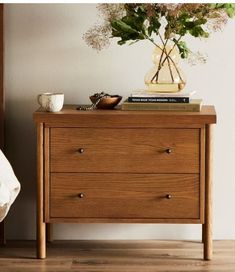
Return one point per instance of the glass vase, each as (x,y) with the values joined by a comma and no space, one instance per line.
(165,75)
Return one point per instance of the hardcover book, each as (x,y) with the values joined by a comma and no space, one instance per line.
(144,93)
(150,99)
(194,105)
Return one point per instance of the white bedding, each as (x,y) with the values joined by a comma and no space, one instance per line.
(9,186)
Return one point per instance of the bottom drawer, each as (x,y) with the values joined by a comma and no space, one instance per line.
(84,195)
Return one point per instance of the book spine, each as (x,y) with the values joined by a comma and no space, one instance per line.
(162,107)
(158,99)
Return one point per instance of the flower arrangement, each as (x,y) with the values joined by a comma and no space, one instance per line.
(164,25)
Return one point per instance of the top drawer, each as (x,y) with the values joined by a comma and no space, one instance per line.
(136,150)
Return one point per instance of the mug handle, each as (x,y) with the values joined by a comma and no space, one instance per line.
(40,99)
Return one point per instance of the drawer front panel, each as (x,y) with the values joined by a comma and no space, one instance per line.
(124,150)
(169,196)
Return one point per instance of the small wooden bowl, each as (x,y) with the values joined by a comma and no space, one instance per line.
(108,102)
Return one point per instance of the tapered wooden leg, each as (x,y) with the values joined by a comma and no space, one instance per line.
(41,226)
(2,234)
(207,228)
(49,230)
(203,233)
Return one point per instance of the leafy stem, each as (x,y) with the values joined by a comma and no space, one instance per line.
(167,58)
(168,61)
(160,62)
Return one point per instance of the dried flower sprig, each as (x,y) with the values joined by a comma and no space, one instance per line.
(98,36)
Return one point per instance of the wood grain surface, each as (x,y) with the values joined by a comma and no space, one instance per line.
(41,226)
(124,195)
(207,229)
(116,256)
(124,150)
(69,116)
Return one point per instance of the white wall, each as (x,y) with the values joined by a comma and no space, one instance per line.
(44,51)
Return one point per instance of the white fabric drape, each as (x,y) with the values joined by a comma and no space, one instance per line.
(9,186)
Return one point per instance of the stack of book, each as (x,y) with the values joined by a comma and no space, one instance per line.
(181,101)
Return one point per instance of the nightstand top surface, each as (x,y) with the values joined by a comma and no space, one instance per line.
(207,115)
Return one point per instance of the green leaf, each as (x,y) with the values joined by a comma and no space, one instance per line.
(130,27)
(119,25)
(231,12)
(193,23)
(183,49)
(198,31)
(200,21)
(122,30)
(136,23)
(154,25)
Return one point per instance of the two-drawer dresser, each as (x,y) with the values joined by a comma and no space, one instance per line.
(113,166)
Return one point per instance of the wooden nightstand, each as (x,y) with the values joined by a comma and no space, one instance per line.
(124,166)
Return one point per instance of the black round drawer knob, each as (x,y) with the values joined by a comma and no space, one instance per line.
(168,150)
(81,150)
(168,196)
(81,195)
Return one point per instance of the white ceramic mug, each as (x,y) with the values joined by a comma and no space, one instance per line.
(51,101)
